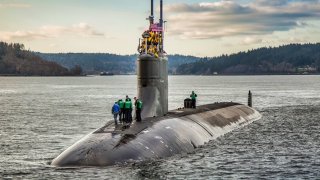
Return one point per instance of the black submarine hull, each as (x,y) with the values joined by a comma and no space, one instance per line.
(181,131)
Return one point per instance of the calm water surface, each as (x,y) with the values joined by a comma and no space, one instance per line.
(42,116)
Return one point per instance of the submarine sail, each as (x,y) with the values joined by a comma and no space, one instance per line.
(152,69)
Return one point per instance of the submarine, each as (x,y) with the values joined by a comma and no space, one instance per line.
(161,133)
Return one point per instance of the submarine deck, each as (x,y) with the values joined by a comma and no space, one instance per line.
(137,127)
(181,130)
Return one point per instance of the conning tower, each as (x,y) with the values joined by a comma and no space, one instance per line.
(152,70)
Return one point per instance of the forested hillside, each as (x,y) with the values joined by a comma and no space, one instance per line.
(14,60)
(94,63)
(287,59)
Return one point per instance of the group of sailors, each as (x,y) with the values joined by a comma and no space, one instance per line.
(150,43)
(123,110)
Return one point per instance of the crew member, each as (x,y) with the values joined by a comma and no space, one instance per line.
(193,99)
(138,105)
(128,110)
(127,98)
(122,113)
(115,111)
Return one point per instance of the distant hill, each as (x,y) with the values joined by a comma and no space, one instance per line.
(94,63)
(14,60)
(287,59)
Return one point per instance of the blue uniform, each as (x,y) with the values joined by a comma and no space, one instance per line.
(115,112)
(115,108)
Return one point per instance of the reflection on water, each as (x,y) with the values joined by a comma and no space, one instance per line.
(41,116)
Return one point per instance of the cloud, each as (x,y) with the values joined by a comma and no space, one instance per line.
(229,18)
(251,40)
(81,29)
(14,5)
(271,2)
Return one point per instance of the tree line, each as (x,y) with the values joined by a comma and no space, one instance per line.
(286,59)
(94,63)
(15,60)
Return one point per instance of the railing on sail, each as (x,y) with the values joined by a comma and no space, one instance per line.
(152,39)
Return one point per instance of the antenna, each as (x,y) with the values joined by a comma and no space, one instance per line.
(161,13)
(152,8)
(151,17)
(161,25)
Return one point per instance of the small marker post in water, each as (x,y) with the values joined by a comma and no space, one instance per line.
(250,99)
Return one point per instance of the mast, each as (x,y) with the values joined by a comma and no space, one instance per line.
(151,17)
(161,13)
(161,25)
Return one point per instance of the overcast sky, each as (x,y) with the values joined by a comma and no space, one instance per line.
(195,27)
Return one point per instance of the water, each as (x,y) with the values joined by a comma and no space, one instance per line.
(42,116)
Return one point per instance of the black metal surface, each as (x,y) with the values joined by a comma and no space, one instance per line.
(152,75)
(182,130)
(151,8)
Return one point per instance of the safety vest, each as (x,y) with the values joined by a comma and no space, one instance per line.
(121,104)
(193,96)
(139,104)
(128,105)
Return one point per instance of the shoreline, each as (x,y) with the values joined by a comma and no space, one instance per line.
(14,75)
(93,75)
(245,74)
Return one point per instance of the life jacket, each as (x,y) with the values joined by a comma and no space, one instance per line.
(150,38)
(121,104)
(146,34)
(139,104)
(157,38)
(193,96)
(128,105)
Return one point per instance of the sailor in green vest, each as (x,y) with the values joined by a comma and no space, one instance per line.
(193,99)
(138,105)
(128,110)
(121,115)
(127,98)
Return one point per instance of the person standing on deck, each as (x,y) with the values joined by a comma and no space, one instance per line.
(115,111)
(122,113)
(135,105)
(193,99)
(130,113)
(127,110)
(127,98)
(138,105)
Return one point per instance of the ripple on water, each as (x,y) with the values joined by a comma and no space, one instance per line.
(44,116)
